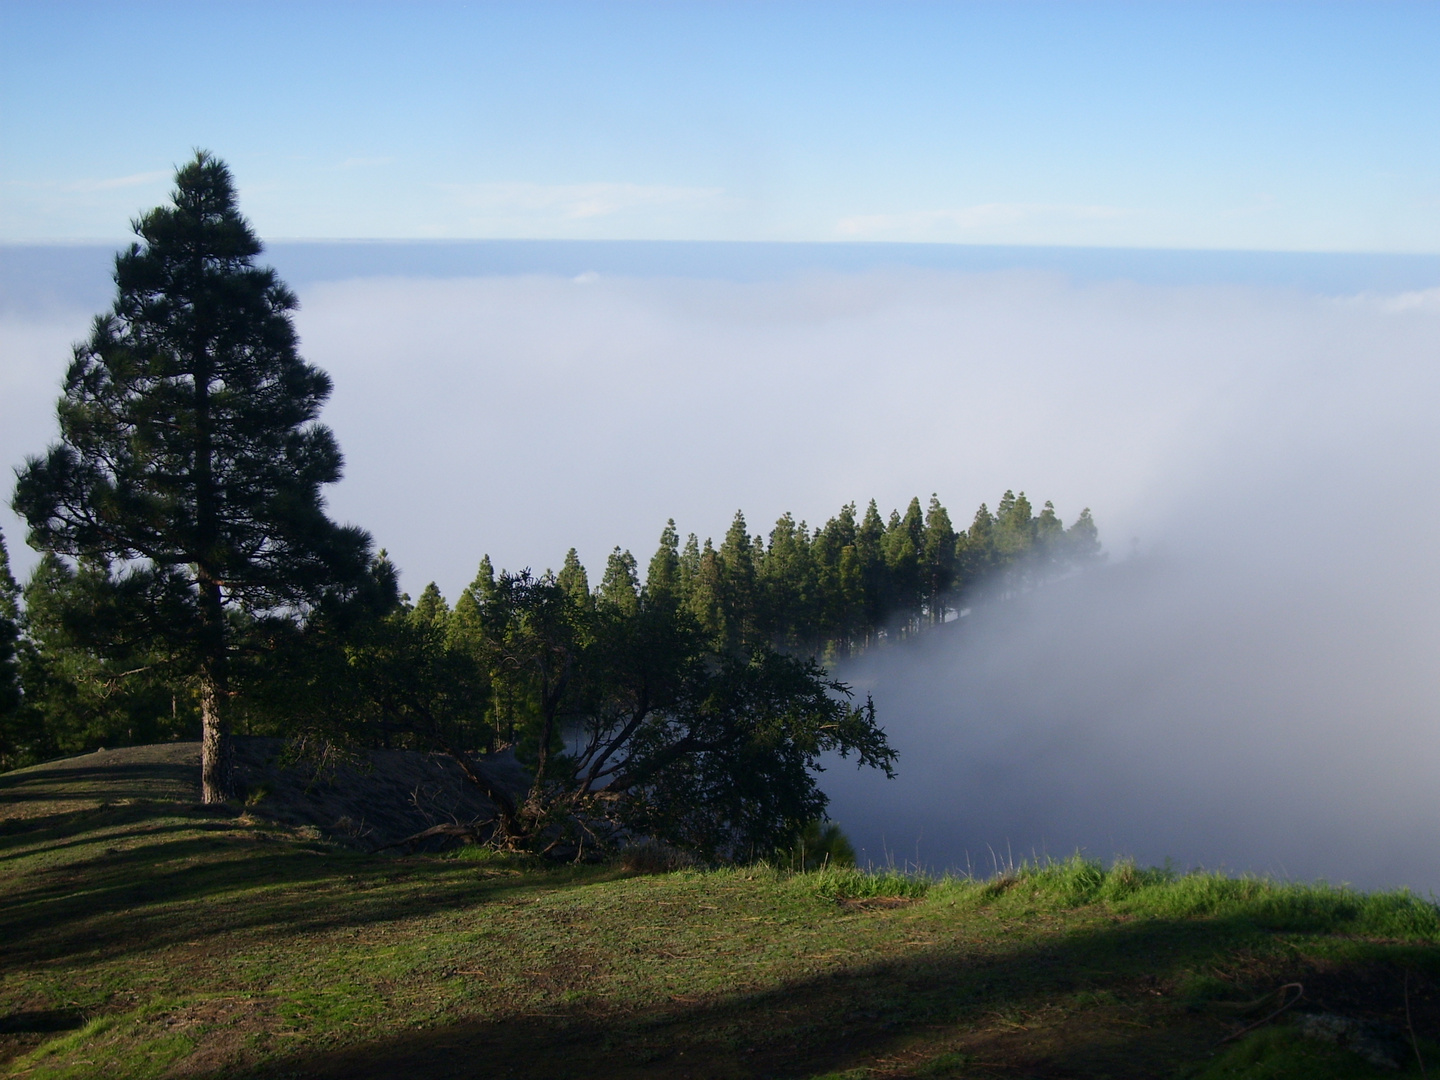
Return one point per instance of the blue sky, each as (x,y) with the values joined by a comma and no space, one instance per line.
(1288,126)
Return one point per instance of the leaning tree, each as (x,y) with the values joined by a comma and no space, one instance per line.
(190,463)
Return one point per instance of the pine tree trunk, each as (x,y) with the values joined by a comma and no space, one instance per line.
(215,777)
(215,731)
(214,743)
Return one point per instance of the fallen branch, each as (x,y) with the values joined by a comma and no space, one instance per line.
(1299,993)
(471,831)
(1414,1042)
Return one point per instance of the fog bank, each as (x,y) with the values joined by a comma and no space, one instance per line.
(1251,684)
(1257,688)
(522,415)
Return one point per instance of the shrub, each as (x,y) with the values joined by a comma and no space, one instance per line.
(848,883)
(819,844)
(654,857)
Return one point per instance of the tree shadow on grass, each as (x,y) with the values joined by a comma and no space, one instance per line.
(138,899)
(41,1021)
(998,1007)
(109,781)
(20,839)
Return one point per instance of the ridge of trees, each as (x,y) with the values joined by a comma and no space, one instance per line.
(836,589)
(827,592)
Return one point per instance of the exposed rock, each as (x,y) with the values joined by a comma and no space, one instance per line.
(1378,1044)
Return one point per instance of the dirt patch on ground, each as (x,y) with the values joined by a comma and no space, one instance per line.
(378,799)
(875,903)
(225,1031)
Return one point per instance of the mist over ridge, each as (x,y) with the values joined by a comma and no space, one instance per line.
(1253,686)
(1249,683)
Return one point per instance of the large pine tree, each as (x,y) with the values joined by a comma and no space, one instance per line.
(190,459)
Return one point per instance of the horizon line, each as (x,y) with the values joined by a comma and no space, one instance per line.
(86,242)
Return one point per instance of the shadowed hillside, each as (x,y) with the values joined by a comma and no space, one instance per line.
(374,799)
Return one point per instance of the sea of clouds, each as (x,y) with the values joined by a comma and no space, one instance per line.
(1250,682)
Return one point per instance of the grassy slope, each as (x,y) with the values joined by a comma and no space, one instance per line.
(143,936)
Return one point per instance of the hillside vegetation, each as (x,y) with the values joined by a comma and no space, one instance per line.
(142,934)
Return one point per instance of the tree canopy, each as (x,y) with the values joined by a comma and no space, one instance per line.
(834,590)
(627,717)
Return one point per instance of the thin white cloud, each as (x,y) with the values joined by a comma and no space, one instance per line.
(113,182)
(983,217)
(1421,299)
(576,202)
(88,186)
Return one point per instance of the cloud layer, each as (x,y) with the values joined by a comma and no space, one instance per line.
(521,207)
(987,222)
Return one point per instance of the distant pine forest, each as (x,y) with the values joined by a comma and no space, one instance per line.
(830,592)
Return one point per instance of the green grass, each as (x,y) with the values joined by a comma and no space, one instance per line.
(1163,894)
(155,938)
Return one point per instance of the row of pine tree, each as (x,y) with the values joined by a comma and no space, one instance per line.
(831,591)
